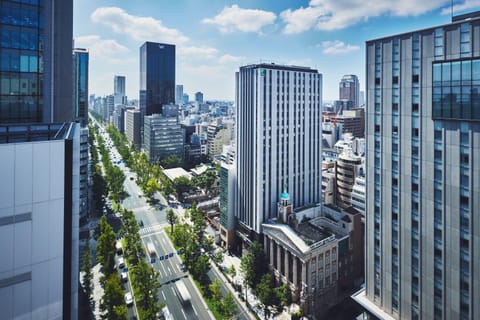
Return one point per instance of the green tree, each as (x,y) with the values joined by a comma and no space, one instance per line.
(228,307)
(181,185)
(215,291)
(218,257)
(253,265)
(87,272)
(167,188)
(115,178)
(284,295)
(200,268)
(171,218)
(265,293)
(171,161)
(151,187)
(147,288)
(106,247)
(232,271)
(113,299)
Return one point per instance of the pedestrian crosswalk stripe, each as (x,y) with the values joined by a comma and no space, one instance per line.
(152,229)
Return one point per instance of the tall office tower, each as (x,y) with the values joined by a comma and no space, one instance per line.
(199,97)
(423,180)
(119,94)
(39,162)
(80,85)
(30,55)
(349,89)
(279,140)
(157,77)
(186,98)
(179,94)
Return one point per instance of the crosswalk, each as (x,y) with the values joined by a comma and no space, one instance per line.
(153,229)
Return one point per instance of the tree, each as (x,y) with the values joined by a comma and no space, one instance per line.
(171,218)
(106,246)
(181,185)
(115,178)
(218,257)
(151,187)
(147,288)
(265,293)
(232,271)
(113,299)
(87,272)
(228,307)
(171,161)
(284,295)
(215,291)
(246,267)
(253,265)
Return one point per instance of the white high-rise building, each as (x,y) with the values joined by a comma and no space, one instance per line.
(179,94)
(279,141)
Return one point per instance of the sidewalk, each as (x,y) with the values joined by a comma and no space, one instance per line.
(230,287)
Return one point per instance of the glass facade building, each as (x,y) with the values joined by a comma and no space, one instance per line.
(157,77)
(30,83)
(423,180)
(80,86)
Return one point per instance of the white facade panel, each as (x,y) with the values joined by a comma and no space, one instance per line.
(23,173)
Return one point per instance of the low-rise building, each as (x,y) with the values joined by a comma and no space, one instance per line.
(316,251)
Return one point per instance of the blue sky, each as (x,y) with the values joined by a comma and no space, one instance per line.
(215,37)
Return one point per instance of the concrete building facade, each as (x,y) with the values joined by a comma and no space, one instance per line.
(423,185)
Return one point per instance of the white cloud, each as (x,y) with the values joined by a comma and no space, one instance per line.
(337,47)
(335,14)
(139,28)
(234,18)
(100,48)
(227,58)
(466,5)
(300,20)
(197,52)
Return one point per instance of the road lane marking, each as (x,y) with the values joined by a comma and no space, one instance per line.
(184,314)
(194,310)
(163,294)
(174,293)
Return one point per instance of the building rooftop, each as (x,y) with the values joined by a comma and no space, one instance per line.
(174,173)
(311,232)
(17,133)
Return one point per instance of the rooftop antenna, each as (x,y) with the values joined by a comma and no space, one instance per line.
(451,10)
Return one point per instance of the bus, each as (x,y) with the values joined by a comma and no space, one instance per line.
(151,249)
(182,292)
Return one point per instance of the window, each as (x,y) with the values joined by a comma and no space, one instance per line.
(455,90)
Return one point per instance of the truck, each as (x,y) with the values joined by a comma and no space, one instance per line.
(182,292)
(151,249)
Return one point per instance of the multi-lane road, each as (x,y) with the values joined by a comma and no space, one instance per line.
(153,219)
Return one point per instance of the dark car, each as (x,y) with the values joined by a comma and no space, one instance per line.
(140,223)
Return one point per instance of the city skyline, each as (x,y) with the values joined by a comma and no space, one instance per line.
(214,40)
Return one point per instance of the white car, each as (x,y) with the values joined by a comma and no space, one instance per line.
(128,298)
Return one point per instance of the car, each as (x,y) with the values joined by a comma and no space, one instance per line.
(170,254)
(124,276)
(140,223)
(128,298)
(166,256)
(121,262)
(131,178)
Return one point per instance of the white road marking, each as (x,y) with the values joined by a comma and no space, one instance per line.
(173,291)
(194,310)
(168,269)
(163,294)
(184,314)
